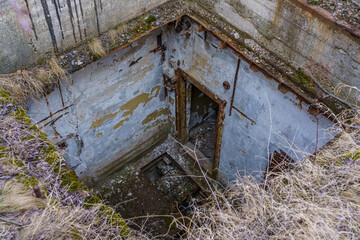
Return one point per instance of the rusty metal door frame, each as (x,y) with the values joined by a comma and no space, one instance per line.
(181,124)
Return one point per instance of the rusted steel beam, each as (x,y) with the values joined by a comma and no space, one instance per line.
(181,108)
(244,115)
(201,87)
(200,28)
(218,141)
(235,82)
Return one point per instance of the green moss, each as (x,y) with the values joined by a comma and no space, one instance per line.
(27,180)
(150,19)
(5,97)
(20,115)
(302,78)
(68,177)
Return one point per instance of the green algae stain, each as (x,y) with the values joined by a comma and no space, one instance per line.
(5,97)
(154,115)
(116,139)
(121,123)
(99,134)
(129,107)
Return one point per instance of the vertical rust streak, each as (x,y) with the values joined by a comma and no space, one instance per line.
(181,107)
(97,17)
(82,15)
(58,17)
(235,82)
(60,91)
(31,19)
(48,106)
(49,23)
(71,18)
(218,141)
(78,20)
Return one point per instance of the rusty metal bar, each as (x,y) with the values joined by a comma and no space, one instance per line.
(235,82)
(52,122)
(63,109)
(218,141)
(181,108)
(244,115)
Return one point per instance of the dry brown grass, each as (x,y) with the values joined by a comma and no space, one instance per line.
(317,199)
(113,35)
(96,48)
(122,28)
(23,83)
(16,197)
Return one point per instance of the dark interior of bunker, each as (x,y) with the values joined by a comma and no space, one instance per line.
(203,122)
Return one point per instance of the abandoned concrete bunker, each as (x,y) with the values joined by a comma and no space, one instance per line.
(148,119)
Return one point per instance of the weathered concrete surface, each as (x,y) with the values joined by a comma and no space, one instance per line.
(118,106)
(282,120)
(58,25)
(295,33)
(116,109)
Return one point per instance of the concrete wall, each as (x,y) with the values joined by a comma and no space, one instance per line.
(295,33)
(282,120)
(57,25)
(113,111)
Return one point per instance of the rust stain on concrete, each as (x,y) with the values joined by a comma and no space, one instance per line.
(121,123)
(171,101)
(154,115)
(129,107)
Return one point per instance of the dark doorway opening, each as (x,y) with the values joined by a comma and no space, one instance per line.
(202,123)
(199,115)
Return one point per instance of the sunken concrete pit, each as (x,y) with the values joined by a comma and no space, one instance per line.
(150,120)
